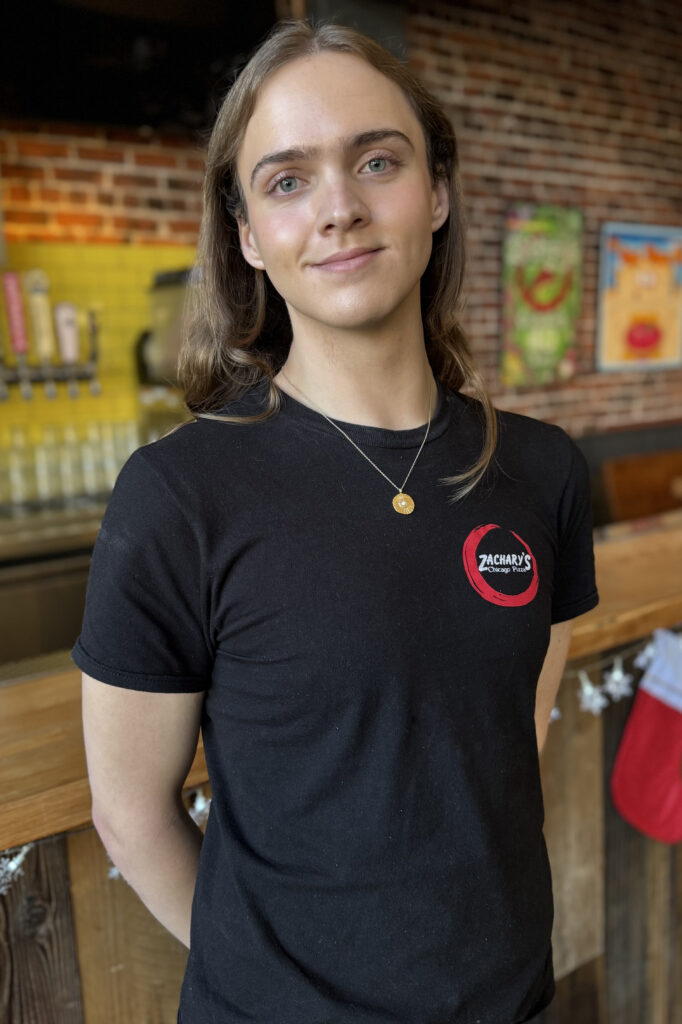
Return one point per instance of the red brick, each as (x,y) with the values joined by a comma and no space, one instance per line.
(101,153)
(135,223)
(25,217)
(74,174)
(184,184)
(155,160)
(21,171)
(75,219)
(186,226)
(163,203)
(135,181)
(28,147)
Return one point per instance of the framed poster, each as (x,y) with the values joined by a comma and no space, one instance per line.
(639,322)
(541,294)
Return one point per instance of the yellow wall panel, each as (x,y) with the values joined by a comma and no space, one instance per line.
(114,280)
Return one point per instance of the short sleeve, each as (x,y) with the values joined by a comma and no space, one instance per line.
(144,620)
(575,590)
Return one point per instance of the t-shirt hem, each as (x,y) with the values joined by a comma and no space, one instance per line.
(542,1004)
(134,680)
(575,608)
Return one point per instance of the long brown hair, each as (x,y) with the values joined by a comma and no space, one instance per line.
(238,329)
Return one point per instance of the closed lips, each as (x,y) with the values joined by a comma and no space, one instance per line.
(341,257)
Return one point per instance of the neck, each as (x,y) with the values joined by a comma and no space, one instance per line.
(376,382)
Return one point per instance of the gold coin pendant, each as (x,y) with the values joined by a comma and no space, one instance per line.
(403,503)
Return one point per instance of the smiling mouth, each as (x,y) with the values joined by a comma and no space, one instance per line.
(348,263)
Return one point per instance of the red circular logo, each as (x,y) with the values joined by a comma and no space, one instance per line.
(477,563)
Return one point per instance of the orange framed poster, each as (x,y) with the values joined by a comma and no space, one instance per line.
(639,323)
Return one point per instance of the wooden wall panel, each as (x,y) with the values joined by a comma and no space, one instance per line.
(643,929)
(131,966)
(675,973)
(571,772)
(39,973)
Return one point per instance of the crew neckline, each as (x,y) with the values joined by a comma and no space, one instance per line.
(379,437)
(254,400)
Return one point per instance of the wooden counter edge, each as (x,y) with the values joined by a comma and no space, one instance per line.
(65,808)
(597,631)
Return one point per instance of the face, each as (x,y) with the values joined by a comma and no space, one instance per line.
(341,208)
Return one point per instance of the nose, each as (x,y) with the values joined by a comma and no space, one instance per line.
(341,205)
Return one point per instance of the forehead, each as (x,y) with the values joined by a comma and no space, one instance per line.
(319,99)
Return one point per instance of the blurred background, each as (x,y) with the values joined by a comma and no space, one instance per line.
(569,123)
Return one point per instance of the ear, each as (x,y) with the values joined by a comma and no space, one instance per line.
(248,245)
(440,203)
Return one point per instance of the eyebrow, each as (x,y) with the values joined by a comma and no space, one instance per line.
(285,156)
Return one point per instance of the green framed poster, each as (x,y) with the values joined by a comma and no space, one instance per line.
(541,294)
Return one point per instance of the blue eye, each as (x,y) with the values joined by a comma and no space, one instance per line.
(284,182)
(377,160)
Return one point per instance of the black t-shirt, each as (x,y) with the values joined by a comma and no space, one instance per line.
(374,850)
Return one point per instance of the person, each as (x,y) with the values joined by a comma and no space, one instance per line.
(351,571)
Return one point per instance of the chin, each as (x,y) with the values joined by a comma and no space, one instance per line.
(358,314)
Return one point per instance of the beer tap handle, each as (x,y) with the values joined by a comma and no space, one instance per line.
(66,320)
(18,336)
(4,390)
(93,331)
(37,287)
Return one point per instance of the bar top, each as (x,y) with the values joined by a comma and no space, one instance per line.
(43,774)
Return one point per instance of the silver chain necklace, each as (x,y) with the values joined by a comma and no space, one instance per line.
(402,502)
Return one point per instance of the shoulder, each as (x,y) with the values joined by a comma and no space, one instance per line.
(542,458)
(520,435)
(197,461)
(539,439)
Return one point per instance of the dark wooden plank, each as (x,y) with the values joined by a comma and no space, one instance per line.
(39,976)
(625,888)
(675,966)
(571,773)
(659,928)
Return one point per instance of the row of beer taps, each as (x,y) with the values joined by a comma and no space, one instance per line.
(56,340)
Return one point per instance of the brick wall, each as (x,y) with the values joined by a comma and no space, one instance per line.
(77,183)
(569,103)
(576,104)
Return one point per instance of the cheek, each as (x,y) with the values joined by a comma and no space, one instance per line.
(417,207)
(408,207)
(280,236)
(414,226)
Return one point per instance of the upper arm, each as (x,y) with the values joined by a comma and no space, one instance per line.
(139,748)
(552,671)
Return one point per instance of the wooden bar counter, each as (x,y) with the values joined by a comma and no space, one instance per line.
(617,893)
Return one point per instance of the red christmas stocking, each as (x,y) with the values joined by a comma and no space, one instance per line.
(646,781)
